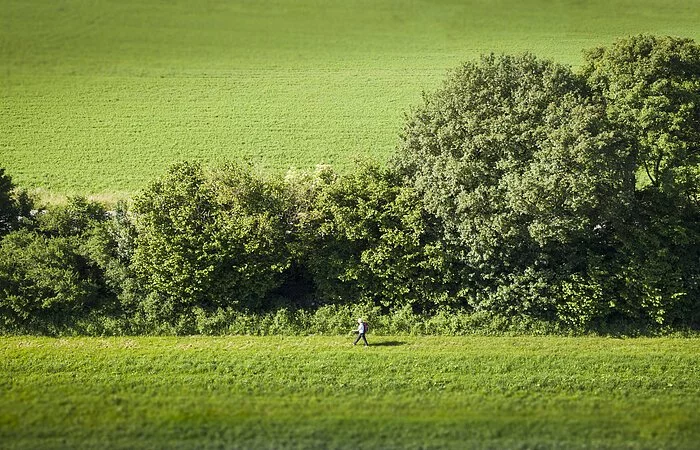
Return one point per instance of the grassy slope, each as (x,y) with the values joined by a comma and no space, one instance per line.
(308,392)
(100,96)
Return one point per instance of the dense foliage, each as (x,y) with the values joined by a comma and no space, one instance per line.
(523,195)
(523,172)
(14,205)
(366,238)
(47,276)
(651,90)
(208,239)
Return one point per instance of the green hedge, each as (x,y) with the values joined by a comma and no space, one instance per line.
(524,197)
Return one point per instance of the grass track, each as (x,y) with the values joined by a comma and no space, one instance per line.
(310,392)
(98,97)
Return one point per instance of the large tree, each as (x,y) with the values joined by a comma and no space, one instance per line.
(651,88)
(521,168)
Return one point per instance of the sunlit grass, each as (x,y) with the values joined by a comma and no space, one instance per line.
(100,97)
(321,392)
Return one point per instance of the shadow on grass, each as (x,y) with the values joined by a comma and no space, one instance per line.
(386,344)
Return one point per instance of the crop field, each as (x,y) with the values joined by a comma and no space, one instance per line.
(321,392)
(99,97)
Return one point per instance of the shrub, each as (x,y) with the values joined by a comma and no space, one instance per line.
(45,283)
(365,238)
(14,205)
(208,239)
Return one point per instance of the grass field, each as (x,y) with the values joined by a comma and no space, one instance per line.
(320,392)
(98,97)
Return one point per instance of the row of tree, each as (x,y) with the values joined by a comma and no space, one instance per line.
(520,188)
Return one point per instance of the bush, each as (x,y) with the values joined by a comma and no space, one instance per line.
(76,217)
(110,244)
(208,239)
(15,206)
(45,283)
(365,238)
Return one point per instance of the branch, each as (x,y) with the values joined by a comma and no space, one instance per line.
(646,169)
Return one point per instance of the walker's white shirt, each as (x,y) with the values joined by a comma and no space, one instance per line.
(361,328)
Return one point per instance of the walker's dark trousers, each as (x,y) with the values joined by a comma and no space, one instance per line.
(361,335)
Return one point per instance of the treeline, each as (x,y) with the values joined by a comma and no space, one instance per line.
(523,196)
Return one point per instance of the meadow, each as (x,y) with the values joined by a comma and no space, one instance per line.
(101,97)
(321,392)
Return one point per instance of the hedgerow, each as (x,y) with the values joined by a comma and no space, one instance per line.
(524,197)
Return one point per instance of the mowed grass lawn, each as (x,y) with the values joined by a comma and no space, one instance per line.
(99,97)
(320,392)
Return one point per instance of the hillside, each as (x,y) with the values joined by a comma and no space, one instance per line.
(100,97)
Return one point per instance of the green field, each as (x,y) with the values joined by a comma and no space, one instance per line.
(320,392)
(98,97)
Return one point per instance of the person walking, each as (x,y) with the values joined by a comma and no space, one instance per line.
(361,331)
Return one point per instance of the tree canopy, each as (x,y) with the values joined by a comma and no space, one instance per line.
(522,169)
(651,89)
